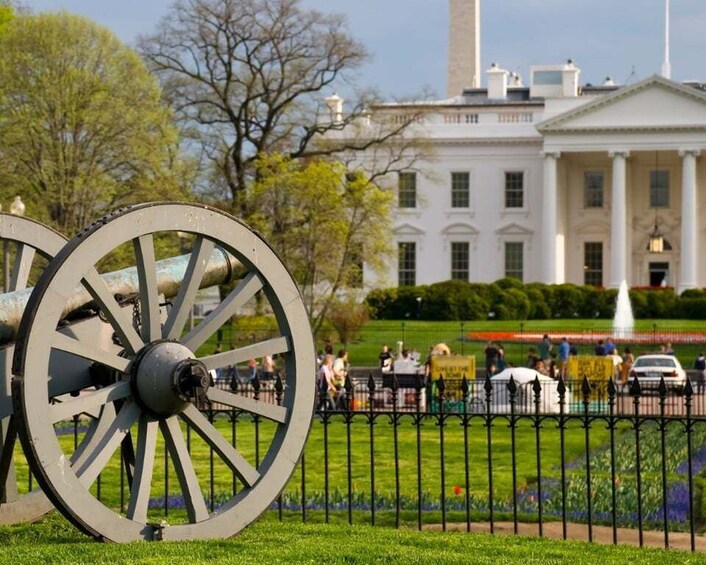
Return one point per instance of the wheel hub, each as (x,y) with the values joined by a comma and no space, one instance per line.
(166,378)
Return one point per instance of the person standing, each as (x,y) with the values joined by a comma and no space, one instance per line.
(385,359)
(544,350)
(340,372)
(564,349)
(700,366)
(491,359)
(268,367)
(628,360)
(501,358)
(325,385)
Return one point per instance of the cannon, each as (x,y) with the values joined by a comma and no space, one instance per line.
(113,348)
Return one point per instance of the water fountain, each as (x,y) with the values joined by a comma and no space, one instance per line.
(624,321)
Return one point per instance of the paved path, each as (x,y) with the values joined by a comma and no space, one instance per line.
(601,534)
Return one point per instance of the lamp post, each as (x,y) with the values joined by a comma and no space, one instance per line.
(17,208)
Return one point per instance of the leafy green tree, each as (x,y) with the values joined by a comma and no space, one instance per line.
(82,126)
(321,221)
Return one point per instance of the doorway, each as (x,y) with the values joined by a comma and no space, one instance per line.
(659,274)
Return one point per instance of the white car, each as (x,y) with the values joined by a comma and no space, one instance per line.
(649,369)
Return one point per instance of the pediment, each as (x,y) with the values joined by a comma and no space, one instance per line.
(460,228)
(408,229)
(513,229)
(591,227)
(653,104)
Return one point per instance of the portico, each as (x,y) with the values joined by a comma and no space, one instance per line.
(639,162)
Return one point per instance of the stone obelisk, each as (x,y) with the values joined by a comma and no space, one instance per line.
(464,46)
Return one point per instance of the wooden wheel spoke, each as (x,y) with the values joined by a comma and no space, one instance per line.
(149,295)
(88,402)
(193,497)
(184,300)
(277,345)
(94,460)
(230,456)
(90,352)
(240,295)
(117,316)
(21,268)
(267,410)
(144,467)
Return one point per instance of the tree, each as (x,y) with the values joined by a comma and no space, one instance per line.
(249,77)
(82,126)
(321,221)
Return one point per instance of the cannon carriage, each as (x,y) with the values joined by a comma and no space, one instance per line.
(113,349)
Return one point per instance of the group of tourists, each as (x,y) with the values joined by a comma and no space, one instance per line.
(545,360)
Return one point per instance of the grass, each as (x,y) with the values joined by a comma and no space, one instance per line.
(54,541)
(420,334)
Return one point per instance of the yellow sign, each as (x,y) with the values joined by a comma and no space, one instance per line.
(453,367)
(596,368)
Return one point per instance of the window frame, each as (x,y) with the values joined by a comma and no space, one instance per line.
(460,273)
(593,268)
(404,271)
(589,198)
(512,192)
(462,191)
(512,272)
(657,190)
(407,193)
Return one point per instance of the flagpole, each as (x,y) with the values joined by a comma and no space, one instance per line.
(666,66)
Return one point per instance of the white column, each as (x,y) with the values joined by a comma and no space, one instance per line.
(688,274)
(549,211)
(618,221)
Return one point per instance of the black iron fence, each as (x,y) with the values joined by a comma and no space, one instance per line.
(473,455)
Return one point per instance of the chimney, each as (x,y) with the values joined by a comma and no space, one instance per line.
(334,103)
(497,82)
(464,46)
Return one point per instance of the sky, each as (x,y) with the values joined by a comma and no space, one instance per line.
(408,39)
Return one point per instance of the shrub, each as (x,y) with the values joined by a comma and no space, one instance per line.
(509,299)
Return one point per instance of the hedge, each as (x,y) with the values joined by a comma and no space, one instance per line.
(509,299)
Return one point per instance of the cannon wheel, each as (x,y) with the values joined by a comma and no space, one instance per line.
(157,374)
(31,239)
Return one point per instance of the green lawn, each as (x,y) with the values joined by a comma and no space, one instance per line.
(420,335)
(53,541)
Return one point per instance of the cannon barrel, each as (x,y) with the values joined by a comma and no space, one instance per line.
(170,272)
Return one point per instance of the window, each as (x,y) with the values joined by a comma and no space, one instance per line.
(514,263)
(593,263)
(459,260)
(514,190)
(407,264)
(659,189)
(593,189)
(407,190)
(460,190)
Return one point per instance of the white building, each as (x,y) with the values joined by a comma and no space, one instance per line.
(554,182)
